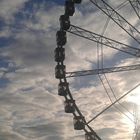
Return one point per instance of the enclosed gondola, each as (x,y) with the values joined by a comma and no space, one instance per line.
(62,88)
(77,1)
(78,123)
(61,38)
(60,71)
(59,54)
(69,106)
(64,22)
(90,136)
(69,8)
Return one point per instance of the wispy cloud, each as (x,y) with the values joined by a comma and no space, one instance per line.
(30,107)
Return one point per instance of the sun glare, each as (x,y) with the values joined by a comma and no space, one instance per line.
(129,121)
(133,118)
(135,97)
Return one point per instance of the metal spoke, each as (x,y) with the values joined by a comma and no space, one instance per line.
(113,103)
(102,71)
(117,18)
(136,6)
(104,40)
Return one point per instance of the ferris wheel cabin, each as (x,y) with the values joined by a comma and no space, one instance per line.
(69,106)
(90,136)
(64,22)
(69,8)
(78,123)
(60,71)
(77,1)
(62,89)
(59,54)
(61,38)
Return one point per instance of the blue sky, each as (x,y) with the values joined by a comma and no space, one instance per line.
(30,106)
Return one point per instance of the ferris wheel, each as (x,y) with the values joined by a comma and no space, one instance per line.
(102,41)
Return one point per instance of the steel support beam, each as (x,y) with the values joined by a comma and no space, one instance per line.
(136,6)
(104,40)
(102,71)
(117,18)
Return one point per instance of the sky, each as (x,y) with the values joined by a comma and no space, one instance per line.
(30,107)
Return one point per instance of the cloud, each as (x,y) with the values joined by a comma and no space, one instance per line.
(31,108)
(9,8)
